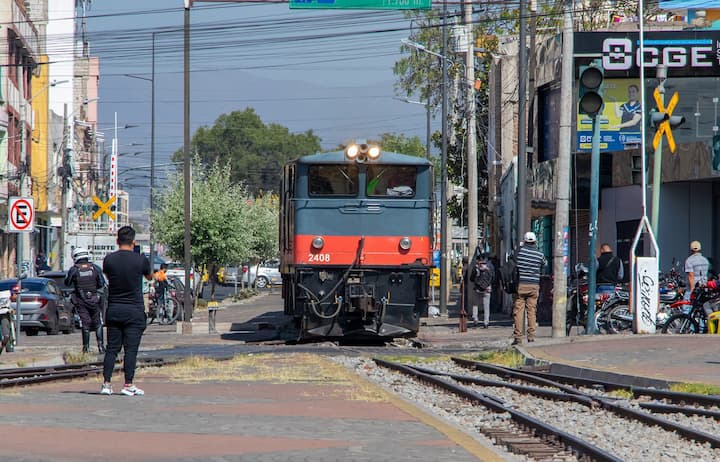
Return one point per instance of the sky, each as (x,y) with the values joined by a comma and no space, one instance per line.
(322,70)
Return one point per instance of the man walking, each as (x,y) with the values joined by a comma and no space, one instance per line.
(529,263)
(86,281)
(126,316)
(696,267)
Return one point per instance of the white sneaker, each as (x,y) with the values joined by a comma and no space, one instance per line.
(132,390)
(106,389)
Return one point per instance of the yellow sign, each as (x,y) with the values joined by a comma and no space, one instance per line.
(103,207)
(664,126)
(435,277)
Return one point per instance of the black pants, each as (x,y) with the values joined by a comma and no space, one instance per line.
(125,326)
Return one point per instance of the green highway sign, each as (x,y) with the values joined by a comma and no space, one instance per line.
(362,4)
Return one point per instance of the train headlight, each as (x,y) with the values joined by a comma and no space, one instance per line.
(373,152)
(318,243)
(405,243)
(352,151)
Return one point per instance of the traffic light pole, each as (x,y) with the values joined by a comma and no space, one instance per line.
(657,169)
(594,196)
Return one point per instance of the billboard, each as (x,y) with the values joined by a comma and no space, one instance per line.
(620,118)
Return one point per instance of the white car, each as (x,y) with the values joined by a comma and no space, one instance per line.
(268,274)
(178,271)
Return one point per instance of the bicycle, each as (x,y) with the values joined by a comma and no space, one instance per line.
(163,306)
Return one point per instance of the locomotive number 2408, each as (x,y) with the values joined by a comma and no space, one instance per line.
(319,258)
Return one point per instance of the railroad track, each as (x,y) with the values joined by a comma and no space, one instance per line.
(582,420)
(24,376)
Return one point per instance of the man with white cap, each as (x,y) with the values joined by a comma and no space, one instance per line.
(696,267)
(529,263)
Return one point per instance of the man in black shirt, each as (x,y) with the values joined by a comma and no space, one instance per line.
(125,316)
(609,267)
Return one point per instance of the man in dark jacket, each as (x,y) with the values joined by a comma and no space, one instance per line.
(529,263)
(610,268)
(86,280)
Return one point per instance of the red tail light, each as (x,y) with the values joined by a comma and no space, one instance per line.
(41,300)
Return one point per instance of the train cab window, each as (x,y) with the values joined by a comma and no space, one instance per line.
(391,180)
(333,180)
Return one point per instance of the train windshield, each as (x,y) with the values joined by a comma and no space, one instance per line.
(391,180)
(333,180)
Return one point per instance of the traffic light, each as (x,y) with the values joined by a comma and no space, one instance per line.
(590,93)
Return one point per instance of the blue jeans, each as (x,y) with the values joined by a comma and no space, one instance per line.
(125,326)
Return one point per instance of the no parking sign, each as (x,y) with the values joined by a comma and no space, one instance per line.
(21,215)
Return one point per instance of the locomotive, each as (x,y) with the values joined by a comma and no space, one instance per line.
(356,242)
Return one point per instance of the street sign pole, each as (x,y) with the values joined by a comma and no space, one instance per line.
(594,196)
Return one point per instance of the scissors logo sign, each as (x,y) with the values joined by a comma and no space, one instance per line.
(664,126)
(103,207)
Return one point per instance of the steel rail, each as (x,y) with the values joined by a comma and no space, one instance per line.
(690,433)
(578,445)
(687,410)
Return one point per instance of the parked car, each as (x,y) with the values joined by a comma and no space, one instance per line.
(42,306)
(158,261)
(268,273)
(176,270)
(228,275)
(59,278)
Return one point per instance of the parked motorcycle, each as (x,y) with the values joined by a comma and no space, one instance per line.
(577,304)
(693,314)
(7,322)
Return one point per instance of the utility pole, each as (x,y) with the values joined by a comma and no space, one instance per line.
(443,175)
(64,189)
(152,156)
(471,136)
(522,130)
(562,195)
(186,326)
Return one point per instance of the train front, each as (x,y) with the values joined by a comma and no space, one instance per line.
(358,262)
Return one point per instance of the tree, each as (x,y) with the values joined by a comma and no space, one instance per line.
(222,226)
(255,151)
(398,143)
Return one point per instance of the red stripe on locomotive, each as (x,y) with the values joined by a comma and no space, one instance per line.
(377,251)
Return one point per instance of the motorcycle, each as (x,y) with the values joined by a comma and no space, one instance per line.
(7,322)
(692,315)
(577,304)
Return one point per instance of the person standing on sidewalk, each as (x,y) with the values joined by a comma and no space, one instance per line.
(482,279)
(126,318)
(696,268)
(529,264)
(86,280)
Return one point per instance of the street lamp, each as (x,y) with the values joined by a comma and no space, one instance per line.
(152,144)
(427,111)
(443,168)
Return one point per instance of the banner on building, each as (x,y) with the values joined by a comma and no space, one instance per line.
(619,121)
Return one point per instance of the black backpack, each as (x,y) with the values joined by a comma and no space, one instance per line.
(509,275)
(482,277)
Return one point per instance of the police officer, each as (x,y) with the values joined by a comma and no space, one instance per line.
(86,280)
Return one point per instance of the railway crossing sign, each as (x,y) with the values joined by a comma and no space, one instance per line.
(103,207)
(664,126)
(21,216)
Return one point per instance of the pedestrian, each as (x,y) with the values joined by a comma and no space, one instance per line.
(464,284)
(86,280)
(696,267)
(609,267)
(41,263)
(126,318)
(529,264)
(482,279)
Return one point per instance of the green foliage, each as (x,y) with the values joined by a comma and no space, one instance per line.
(254,151)
(398,143)
(228,225)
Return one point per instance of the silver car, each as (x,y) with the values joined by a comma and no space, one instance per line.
(268,274)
